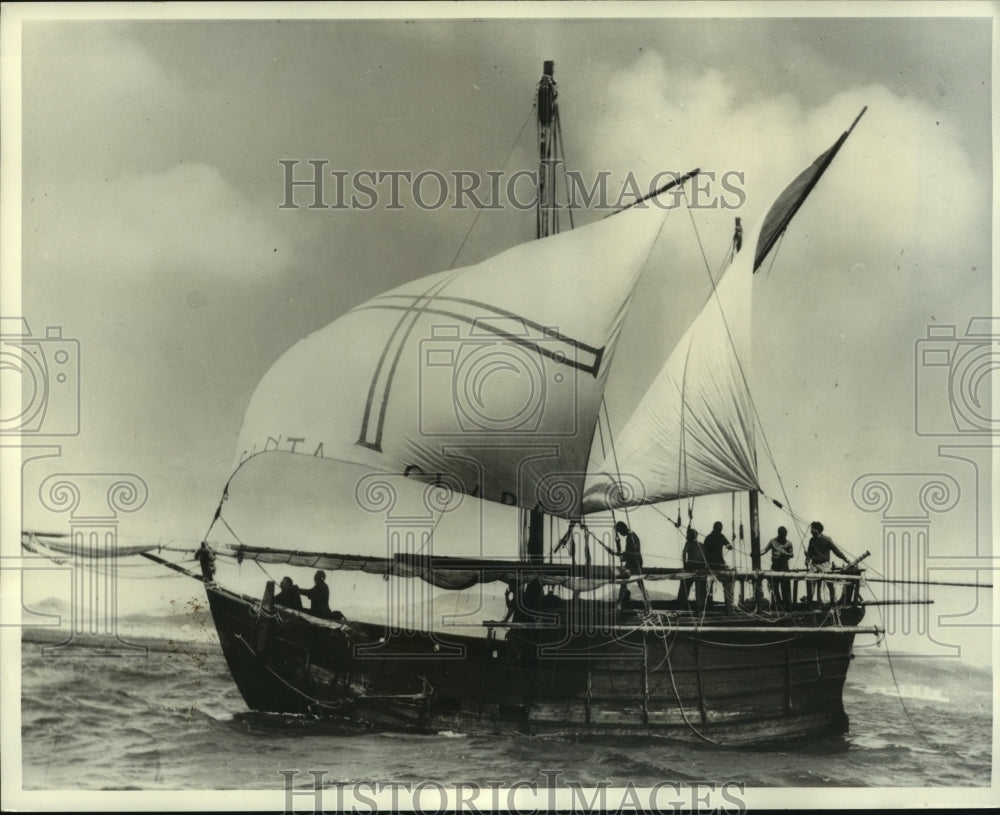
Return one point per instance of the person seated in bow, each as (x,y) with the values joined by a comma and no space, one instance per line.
(289,595)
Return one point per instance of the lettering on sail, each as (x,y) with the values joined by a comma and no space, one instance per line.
(285,444)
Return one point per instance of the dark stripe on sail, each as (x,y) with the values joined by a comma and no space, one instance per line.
(549,331)
(590,366)
(372,437)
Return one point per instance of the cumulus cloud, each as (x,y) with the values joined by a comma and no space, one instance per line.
(113,183)
(185,221)
(903,178)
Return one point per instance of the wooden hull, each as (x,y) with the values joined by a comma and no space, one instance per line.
(724,685)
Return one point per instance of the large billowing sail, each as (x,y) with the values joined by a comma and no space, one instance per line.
(693,431)
(487,378)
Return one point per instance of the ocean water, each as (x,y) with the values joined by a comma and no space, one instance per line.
(174,720)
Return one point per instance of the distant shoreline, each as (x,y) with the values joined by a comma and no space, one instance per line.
(59,636)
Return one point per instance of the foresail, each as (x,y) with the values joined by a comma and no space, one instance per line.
(487,378)
(693,431)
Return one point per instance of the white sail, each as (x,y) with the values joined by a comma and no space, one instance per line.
(488,377)
(693,431)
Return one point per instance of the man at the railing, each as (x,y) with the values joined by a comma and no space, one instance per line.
(714,544)
(818,560)
(781,550)
(693,559)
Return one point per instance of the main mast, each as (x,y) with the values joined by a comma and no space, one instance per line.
(550,156)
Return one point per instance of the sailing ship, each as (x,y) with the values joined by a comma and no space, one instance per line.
(402,394)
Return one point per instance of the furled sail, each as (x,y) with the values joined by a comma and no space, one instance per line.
(487,378)
(443,572)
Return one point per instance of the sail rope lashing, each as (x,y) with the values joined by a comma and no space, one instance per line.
(479,210)
(797,520)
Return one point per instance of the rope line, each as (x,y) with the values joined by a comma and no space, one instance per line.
(479,210)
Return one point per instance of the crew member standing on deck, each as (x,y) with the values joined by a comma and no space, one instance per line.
(781,550)
(713,545)
(693,559)
(319,596)
(631,556)
(206,557)
(818,560)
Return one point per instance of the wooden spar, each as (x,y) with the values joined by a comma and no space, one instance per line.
(754,531)
(929,583)
(546,223)
(668,186)
(169,565)
(653,573)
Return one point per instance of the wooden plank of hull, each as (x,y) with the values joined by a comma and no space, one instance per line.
(726,686)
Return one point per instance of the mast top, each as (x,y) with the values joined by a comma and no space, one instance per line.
(549,67)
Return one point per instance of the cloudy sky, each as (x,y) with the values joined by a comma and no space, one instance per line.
(152,230)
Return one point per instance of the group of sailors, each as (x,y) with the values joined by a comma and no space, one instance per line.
(707,557)
(290,595)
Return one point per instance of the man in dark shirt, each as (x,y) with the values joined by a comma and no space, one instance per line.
(713,545)
(289,595)
(632,555)
(206,557)
(693,559)
(319,596)
(631,558)
(818,559)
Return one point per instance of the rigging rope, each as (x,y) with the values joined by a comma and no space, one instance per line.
(899,694)
(562,151)
(479,210)
(614,456)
